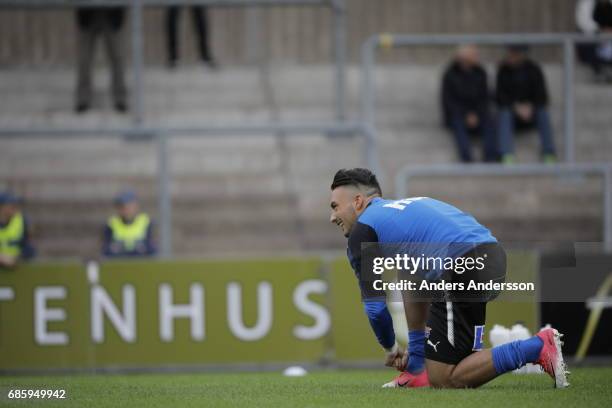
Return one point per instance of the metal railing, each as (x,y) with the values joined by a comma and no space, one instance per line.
(136,6)
(365,127)
(138,126)
(388,41)
(161,135)
(483,170)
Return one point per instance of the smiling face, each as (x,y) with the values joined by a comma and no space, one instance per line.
(347,203)
(351,192)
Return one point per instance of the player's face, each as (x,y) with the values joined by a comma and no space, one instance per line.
(343,212)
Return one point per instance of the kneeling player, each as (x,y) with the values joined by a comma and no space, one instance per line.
(449,354)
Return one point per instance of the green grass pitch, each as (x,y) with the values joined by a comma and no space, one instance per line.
(590,387)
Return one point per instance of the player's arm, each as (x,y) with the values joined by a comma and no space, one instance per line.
(382,326)
(374,301)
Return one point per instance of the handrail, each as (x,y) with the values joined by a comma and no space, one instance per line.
(139,128)
(253,129)
(136,6)
(388,41)
(113,3)
(478,170)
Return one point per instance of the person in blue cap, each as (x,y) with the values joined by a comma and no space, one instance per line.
(14,232)
(129,232)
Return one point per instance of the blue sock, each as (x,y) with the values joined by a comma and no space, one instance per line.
(511,356)
(416,351)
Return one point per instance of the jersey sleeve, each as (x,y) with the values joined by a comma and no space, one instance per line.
(381,322)
(362,248)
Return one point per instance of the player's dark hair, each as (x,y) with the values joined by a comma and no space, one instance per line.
(356,177)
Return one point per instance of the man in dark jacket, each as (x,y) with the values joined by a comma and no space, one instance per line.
(602,15)
(465,103)
(522,99)
(92,23)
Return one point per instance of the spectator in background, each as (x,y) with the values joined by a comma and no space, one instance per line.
(522,99)
(129,232)
(586,24)
(602,14)
(592,17)
(105,22)
(14,232)
(200,21)
(465,103)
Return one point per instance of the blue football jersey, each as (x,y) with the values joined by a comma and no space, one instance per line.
(417,226)
(423,219)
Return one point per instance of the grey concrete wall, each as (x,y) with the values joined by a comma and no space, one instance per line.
(261,194)
(291,34)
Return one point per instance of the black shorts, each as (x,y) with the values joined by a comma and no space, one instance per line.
(456,328)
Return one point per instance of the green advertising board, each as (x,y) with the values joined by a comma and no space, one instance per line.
(150,314)
(155,313)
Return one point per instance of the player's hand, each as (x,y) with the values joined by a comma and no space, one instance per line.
(394,357)
(400,362)
(404,362)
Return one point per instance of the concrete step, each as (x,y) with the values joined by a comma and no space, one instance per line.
(521,230)
(265,193)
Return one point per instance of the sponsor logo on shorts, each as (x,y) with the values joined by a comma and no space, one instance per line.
(434,346)
(478,338)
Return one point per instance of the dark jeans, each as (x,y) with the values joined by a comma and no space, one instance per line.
(200,17)
(590,54)
(541,120)
(86,51)
(462,136)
